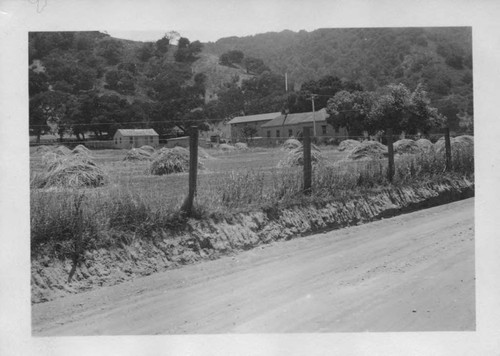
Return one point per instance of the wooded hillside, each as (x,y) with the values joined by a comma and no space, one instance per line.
(81,82)
(439,58)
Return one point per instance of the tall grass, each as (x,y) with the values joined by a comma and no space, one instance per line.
(66,222)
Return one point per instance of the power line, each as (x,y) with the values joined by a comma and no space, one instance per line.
(166,122)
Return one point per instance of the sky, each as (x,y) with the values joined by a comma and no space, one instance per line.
(209,20)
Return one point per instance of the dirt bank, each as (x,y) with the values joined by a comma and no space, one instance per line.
(413,272)
(209,239)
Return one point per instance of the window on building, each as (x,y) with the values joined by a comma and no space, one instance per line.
(290,133)
(277,133)
(268,133)
(120,140)
(323,129)
(116,141)
(131,140)
(151,139)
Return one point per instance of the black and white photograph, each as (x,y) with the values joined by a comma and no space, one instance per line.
(259,173)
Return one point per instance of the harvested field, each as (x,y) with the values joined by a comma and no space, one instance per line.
(295,157)
(81,149)
(62,150)
(368,150)
(148,148)
(226,147)
(241,146)
(425,145)
(68,171)
(348,145)
(459,144)
(138,154)
(170,161)
(406,146)
(291,144)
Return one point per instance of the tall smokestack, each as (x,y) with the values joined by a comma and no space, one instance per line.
(286,81)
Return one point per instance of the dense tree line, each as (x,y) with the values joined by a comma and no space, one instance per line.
(393,107)
(439,58)
(82,82)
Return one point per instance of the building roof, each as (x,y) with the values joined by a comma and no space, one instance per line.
(297,118)
(137,132)
(254,118)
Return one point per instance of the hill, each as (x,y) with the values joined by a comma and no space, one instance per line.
(82,82)
(89,81)
(440,58)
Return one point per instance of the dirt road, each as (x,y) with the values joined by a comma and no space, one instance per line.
(414,272)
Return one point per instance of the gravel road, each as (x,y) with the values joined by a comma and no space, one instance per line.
(414,272)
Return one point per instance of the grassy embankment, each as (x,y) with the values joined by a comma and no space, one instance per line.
(133,204)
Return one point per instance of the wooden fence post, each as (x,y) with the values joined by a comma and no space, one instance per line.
(307,160)
(447,142)
(390,147)
(187,206)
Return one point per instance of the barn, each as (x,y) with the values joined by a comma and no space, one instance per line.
(291,125)
(239,123)
(133,138)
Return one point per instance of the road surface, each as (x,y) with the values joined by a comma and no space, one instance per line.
(414,272)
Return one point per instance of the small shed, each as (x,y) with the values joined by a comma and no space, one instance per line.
(133,138)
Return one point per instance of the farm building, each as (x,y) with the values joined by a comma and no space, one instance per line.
(130,138)
(291,125)
(239,123)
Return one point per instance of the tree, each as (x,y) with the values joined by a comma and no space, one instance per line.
(451,107)
(422,116)
(52,110)
(38,82)
(108,113)
(187,51)
(120,81)
(350,110)
(146,51)
(231,57)
(73,75)
(255,65)
(401,110)
(231,101)
(162,45)
(249,132)
(110,49)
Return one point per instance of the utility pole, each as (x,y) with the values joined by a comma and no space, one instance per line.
(314,96)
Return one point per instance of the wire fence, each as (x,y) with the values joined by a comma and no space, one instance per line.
(216,182)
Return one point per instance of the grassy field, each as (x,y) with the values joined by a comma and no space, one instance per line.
(132,176)
(135,204)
